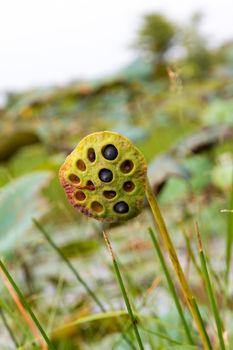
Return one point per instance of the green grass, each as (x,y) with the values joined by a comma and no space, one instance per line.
(174,295)
(124,293)
(210,291)
(26,305)
(229,240)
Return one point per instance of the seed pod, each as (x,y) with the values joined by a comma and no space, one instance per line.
(105,177)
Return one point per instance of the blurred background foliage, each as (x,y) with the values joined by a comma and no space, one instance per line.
(175,102)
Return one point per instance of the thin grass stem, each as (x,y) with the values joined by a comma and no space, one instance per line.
(128,325)
(229,240)
(175,262)
(69,264)
(202,322)
(190,249)
(222,290)
(162,336)
(26,305)
(124,292)
(171,286)
(5,322)
(75,272)
(210,291)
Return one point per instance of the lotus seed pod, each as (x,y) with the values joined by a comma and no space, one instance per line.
(104,177)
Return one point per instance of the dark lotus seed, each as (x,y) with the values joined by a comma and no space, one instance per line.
(110,152)
(74,178)
(81,165)
(128,186)
(91,154)
(121,207)
(97,207)
(126,166)
(90,185)
(109,194)
(80,196)
(105,175)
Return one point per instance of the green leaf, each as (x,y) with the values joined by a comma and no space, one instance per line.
(218,112)
(20,201)
(222,174)
(182,347)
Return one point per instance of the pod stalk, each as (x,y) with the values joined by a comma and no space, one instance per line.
(176,265)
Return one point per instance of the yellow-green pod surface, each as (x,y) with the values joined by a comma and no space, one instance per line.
(105,177)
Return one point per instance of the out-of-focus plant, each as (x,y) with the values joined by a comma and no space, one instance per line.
(156,37)
(162,40)
(198,54)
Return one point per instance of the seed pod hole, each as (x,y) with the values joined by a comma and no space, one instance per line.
(97,207)
(128,186)
(127,166)
(91,155)
(80,196)
(110,152)
(109,194)
(90,185)
(81,165)
(74,179)
(121,207)
(105,175)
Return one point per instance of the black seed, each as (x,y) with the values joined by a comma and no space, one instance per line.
(105,175)
(121,207)
(110,152)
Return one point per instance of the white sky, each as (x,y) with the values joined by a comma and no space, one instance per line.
(46,42)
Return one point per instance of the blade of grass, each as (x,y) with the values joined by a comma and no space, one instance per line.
(222,289)
(75,272)
(202,322)
(124,292)
(163,336)
(171,286)
(229,240)
(175,262)
(110,316)
(69,264)
(42,345)
(23,302)
(11,334)
(190,249)
(210,290)
(128,325)
(9,309)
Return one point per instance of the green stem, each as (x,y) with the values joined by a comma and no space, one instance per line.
(175,262)
(171,286)
(202,323)
(124,293)
(210,292)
